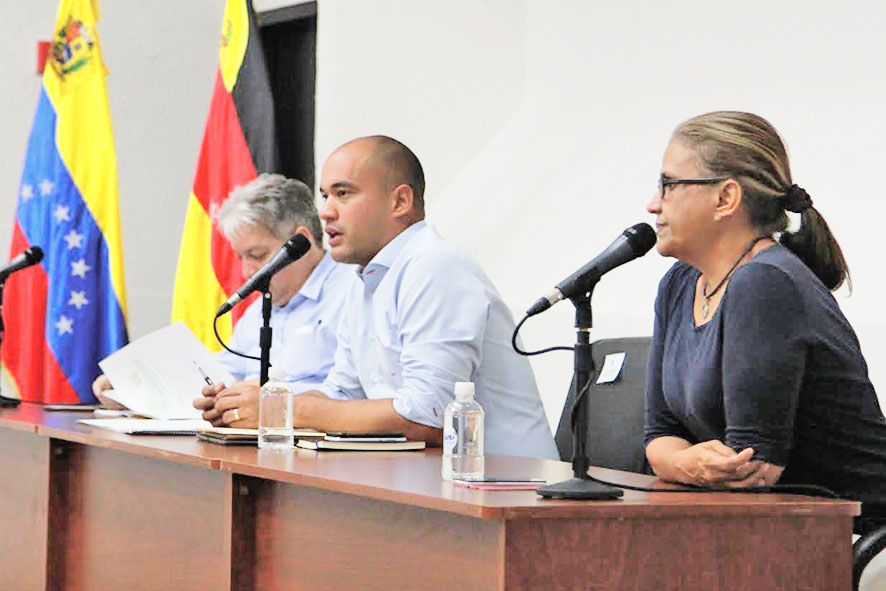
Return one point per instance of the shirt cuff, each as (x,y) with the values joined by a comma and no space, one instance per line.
(411,409)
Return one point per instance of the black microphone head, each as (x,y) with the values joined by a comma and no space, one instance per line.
(641,237)
(297,246)
(34,255)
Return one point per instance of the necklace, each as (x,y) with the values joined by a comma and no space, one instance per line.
(705,307)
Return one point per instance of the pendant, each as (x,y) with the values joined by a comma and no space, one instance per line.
(705,309)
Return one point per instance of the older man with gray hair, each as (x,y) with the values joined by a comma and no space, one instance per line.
(307,295)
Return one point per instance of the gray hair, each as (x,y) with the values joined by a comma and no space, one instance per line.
(747,148)
(274,201)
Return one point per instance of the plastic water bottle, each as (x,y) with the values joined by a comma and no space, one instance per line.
(463,435)
(275,413)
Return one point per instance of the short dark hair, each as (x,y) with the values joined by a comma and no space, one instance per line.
(401,166)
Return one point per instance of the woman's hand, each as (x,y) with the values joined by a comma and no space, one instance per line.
(709,464)
(763,474)
(712,463)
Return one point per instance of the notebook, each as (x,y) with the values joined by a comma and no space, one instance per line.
(231,436)
(148,426)
(228,436)
(325,444)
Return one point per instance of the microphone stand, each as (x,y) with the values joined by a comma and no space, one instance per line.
(4,400)
(264,338)
(580,486)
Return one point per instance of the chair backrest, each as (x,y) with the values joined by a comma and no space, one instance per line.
(615,417)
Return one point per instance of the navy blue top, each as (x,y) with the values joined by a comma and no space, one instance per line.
(777,368)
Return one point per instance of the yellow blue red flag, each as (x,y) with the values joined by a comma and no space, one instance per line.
(69,312)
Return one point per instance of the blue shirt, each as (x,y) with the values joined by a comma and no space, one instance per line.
(424,317)
(304,330)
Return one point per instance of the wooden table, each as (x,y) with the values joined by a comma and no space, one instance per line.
(89,509)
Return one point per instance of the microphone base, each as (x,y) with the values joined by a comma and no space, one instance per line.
(580,489)
(6,401)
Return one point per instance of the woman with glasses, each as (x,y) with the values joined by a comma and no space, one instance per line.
(755,375)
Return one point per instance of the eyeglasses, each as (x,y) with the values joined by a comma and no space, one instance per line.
(664,182)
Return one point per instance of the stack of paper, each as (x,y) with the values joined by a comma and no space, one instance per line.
(161,374)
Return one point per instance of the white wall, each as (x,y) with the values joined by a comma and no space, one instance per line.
(542,124)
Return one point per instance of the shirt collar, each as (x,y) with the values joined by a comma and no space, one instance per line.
(312,287)
(384,259)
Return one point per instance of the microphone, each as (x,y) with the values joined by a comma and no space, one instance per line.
(631,244)
(29,257)
(292,250)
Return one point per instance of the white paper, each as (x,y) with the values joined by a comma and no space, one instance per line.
(612,365)
(107,413)
(161,374)
(127,425)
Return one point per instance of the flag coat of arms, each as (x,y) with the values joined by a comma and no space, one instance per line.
(67,313)
(239,141)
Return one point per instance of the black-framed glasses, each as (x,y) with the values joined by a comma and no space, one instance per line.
(664,182)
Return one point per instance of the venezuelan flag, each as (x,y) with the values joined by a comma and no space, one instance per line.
(239,141)
(67,313)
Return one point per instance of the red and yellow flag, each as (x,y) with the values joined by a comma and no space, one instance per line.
(239,141)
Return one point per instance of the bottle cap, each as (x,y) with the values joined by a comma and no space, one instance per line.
(464,390)
(276,373)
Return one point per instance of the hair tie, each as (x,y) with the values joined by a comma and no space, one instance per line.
(796,199)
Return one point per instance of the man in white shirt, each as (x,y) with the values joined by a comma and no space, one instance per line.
(423,316)
(307,295)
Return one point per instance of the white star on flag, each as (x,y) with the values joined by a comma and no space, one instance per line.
(79,268)
(62,213)
(74,239)
(46,187)
(78,299)
(27,192)
(65,325)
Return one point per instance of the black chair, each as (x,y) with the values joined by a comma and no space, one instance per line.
(615,423)
(615,432)
(871,543)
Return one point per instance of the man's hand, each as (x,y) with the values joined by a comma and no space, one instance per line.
(99,386)
(315,410)
(206,403)
(237,406)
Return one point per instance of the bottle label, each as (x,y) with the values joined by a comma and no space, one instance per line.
(450,438)
(454,434)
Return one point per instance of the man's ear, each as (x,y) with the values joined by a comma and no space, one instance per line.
(729,200)
(402,201)
(304,231)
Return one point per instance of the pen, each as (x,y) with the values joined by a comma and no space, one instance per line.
(203,373)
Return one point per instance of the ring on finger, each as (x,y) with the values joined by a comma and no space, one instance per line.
(236,413)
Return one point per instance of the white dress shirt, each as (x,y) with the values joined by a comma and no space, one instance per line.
(424,317)
(304,330)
